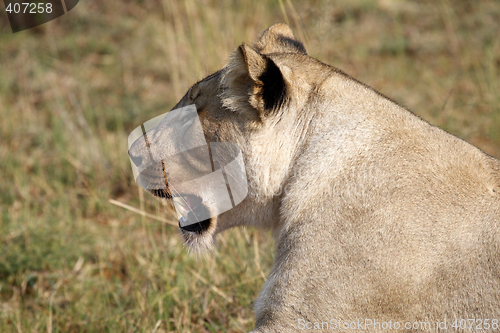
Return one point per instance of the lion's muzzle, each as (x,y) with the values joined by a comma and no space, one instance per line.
(171,159)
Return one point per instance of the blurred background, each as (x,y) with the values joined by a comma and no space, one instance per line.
(72,90)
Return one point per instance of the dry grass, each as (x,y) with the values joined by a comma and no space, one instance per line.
(71,90)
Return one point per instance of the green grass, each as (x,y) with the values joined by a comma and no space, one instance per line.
(72,90)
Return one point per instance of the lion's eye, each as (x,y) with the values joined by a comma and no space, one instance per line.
(194,93)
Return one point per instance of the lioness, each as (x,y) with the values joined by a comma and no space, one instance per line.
(381,220)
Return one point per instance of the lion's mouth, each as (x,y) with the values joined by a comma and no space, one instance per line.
(198,227)
(195,217)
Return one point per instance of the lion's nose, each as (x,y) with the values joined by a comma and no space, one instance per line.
(136,159)
(199,227)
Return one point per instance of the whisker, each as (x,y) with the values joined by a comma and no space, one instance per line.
(186,204)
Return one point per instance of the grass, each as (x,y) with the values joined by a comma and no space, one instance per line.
(71,90)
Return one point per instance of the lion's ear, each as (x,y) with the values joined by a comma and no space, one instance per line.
(254,79)
(256,64)
(279,38)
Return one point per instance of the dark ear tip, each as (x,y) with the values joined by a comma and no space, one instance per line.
(243,49)
(279,38)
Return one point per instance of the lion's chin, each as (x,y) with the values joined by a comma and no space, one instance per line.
(198,237)
(200,242)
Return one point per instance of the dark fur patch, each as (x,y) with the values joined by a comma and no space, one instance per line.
(293,43)
(273,91)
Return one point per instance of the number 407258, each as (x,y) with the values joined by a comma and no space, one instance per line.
(32,8)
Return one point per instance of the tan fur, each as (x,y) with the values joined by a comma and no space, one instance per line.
(376,213)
